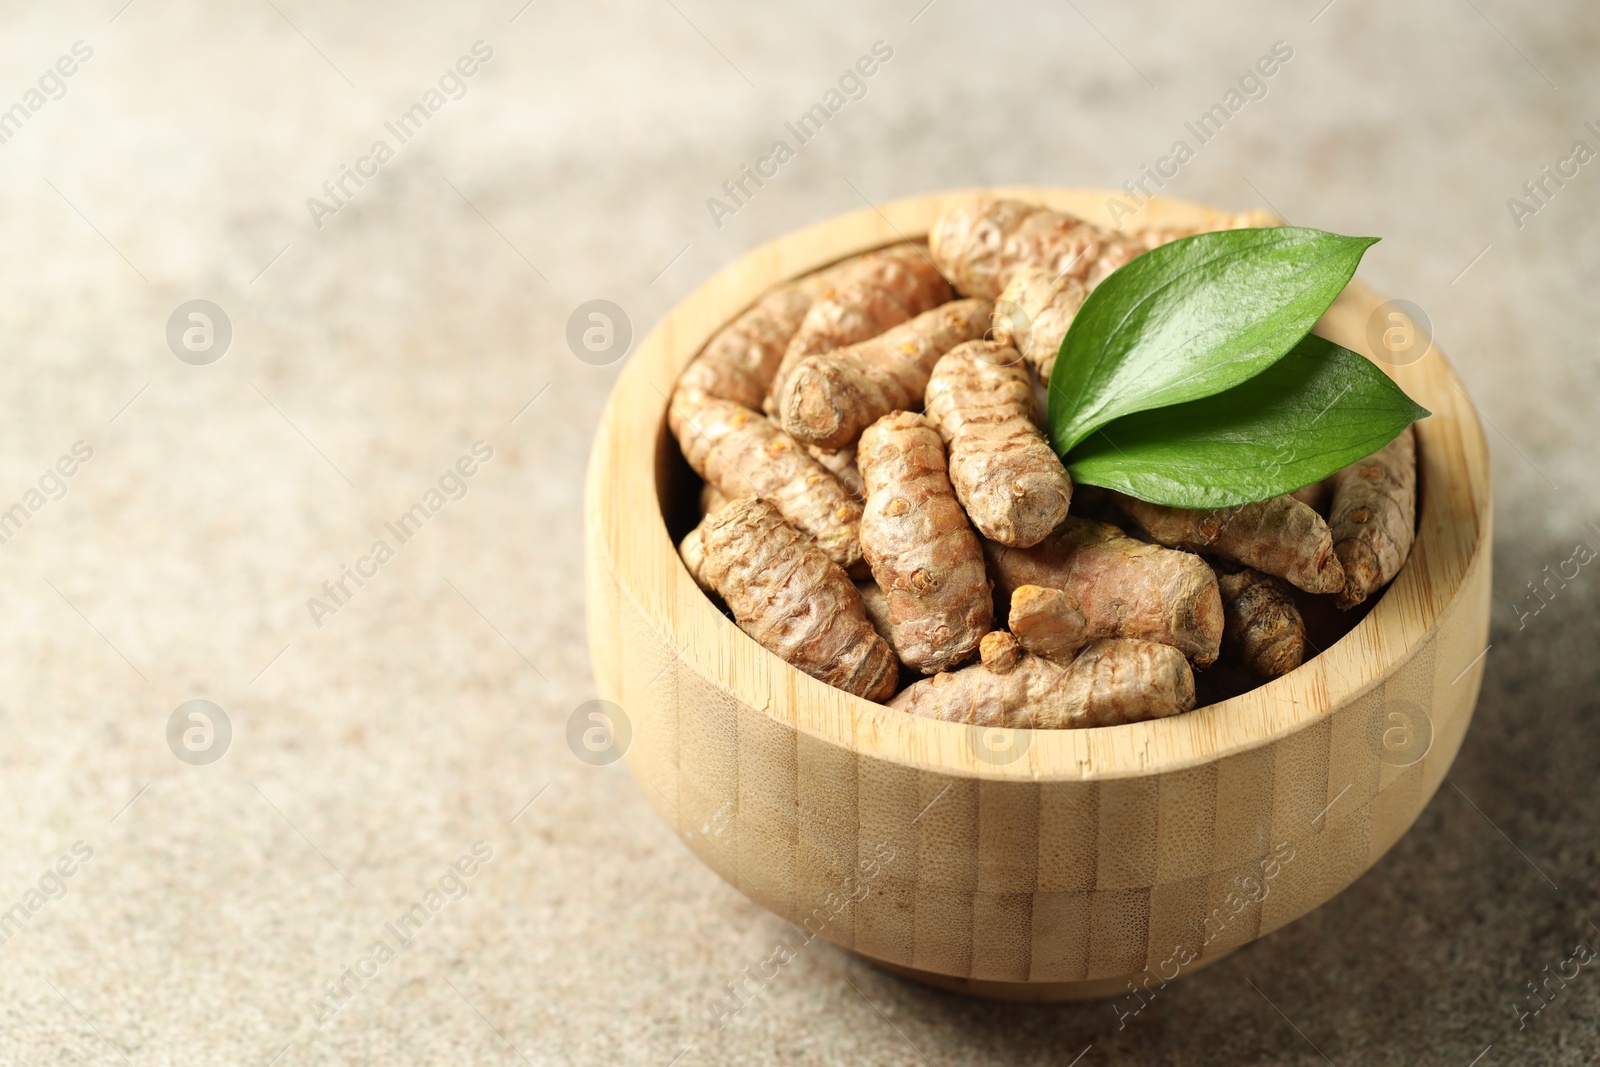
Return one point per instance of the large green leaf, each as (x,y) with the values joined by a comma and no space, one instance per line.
(1192,318)
(1314,411)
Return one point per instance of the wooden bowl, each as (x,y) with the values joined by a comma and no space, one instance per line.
(1049,864)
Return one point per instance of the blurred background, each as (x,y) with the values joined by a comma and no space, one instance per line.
(189,497)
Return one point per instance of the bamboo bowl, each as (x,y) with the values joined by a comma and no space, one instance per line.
(1080,860)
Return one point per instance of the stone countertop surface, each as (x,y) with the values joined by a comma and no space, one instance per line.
(411,730)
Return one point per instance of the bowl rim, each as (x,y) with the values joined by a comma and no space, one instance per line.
(626,532)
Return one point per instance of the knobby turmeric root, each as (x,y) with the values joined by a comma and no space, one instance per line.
(738,363)
(1280,536)
(999,651)
(1262,630)
(1125,587)
(743,454)
(980,242)
(795,601)
(692,550)
(1109,683)
(1034,313)
(922,552)
(1014,488)
(1374,517)
(1048,622)
(861,298)
(1038,303)
(1315,496)
(876,605)
(1144,240)
(841,463)
(828,399)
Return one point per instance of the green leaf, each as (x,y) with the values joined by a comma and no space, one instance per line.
(1193,318)
(1316,410)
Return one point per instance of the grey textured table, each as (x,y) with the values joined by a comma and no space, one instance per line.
(378,334)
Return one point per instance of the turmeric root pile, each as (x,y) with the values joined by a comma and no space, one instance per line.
(882,509)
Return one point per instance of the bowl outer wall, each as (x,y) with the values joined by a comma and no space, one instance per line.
(1095,854)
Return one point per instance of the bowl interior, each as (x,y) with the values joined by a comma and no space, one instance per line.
(678,488)
(638,456)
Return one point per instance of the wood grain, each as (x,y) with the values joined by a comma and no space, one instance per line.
(1094,854)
